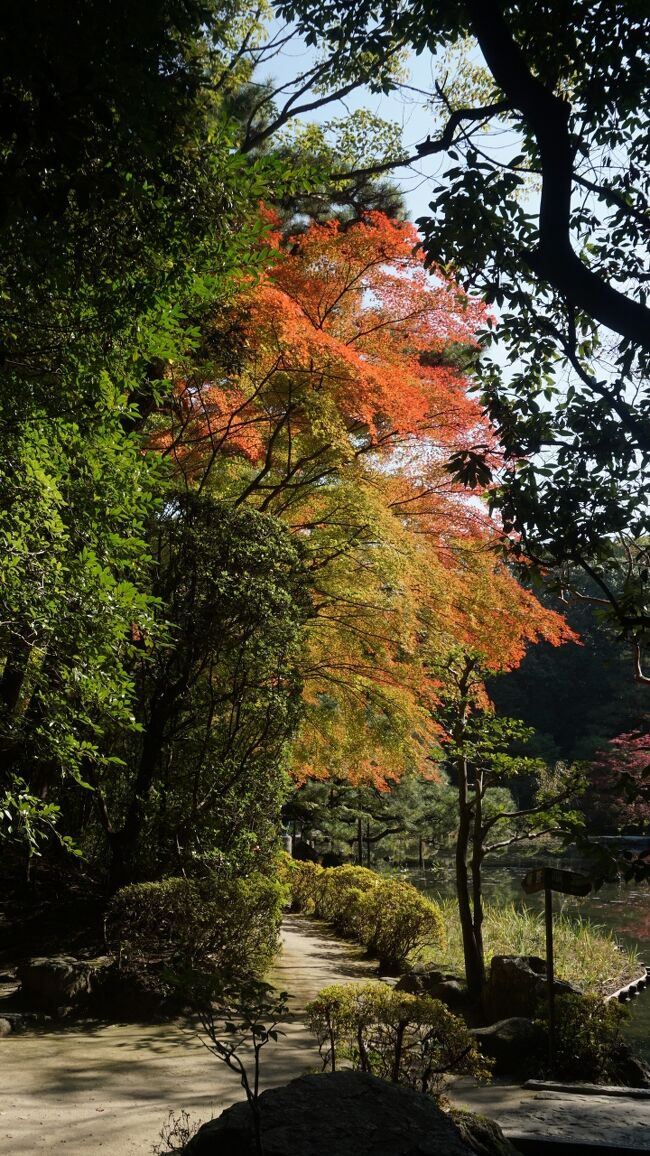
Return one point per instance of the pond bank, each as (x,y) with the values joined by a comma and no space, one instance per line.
(622,909)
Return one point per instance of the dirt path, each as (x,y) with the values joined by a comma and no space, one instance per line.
(109,1089)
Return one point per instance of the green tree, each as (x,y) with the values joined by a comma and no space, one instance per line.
(124,214)
(217,697)
(477,747)
(578,696)
(361,820)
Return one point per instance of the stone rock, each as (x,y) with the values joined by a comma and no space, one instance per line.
(445,986)
(135,996)
(516,985)
(57,981)
(631,1070)
(6,1028)
(334,1114)
(53,982)
(482,1135)
(509,1043)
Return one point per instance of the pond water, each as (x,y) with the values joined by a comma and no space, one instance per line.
(621,908)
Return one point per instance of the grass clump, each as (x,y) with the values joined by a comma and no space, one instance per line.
(586,955)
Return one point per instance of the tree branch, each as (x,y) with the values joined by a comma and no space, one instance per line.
(547,115)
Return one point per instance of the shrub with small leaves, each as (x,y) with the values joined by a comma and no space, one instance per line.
(392,919)
(234,1015)
(182,923)
(395,920)
(302,878)
(337,896)
(408,1039)
(588,1038)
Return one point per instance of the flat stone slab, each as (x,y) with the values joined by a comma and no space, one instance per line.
(607,1118)
(588,1089)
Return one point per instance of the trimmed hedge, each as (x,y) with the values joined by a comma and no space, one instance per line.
(390,918)
(230,924)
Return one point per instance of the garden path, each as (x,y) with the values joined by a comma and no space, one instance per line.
(88,1088)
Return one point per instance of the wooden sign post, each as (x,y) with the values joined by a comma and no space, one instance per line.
(548,880)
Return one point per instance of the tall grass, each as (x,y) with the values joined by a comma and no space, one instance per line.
(585,954)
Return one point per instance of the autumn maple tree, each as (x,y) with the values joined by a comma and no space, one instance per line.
(330,397)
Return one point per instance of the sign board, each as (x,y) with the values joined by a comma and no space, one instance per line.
(551,879)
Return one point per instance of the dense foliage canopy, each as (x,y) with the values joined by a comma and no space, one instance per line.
(230,390)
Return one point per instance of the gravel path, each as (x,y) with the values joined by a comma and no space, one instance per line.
(108,1089)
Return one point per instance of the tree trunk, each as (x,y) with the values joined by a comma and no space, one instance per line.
(467,828)
(123,843)
(474,968)
(477,886)
(15,669)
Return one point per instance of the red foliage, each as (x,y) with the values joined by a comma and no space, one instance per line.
(332,398)
(617,798)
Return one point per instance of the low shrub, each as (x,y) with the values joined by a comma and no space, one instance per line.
(392,919)
(588,1038)
(302,877)
(395,921)
(408,1039)
(184,923)
(337,893)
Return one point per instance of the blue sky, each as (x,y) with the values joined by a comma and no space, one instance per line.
(405,108)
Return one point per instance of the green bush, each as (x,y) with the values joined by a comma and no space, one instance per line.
(231,924)
(588,1038)
(337,893)
(395,920)
(302,878)
(408,1039)
(390,918)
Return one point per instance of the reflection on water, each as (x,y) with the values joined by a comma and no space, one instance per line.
(621,908)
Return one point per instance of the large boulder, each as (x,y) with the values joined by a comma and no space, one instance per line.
(132,994)
(510,1043)
(631,1070)
(442,985)
(482,1135)
(56,983)
(339,1114)
(516,985)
